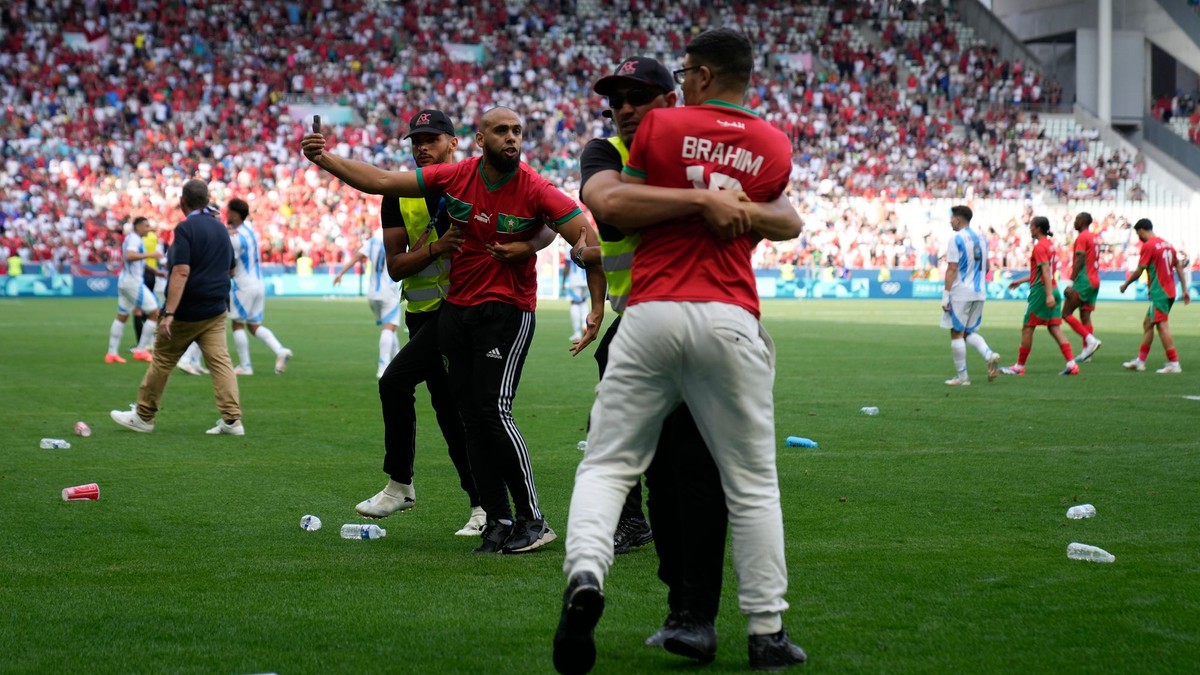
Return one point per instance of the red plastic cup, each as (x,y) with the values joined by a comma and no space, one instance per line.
(82,429)
(80,493)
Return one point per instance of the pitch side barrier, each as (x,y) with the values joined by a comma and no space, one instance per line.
(860,284)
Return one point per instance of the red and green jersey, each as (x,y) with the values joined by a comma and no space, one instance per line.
(712,146)
(1158,257)
(512,209)
(1043,252)
(1086,243)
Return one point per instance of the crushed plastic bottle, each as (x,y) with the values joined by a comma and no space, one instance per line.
(1077,551)
(800,442)
(310,523)
(1081,511)
(55,444)
(581,446)
(362,531)
(869,410)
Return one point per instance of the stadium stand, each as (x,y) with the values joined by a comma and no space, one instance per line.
(895,110)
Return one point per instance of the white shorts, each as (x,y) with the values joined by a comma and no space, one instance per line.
(132,295)
(386,309)
(246,303)
(964,316)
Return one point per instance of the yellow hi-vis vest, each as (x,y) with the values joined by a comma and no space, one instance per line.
(425,290)
(150,242)
(617,256)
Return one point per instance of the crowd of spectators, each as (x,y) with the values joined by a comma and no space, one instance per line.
(107,106)
(847,233)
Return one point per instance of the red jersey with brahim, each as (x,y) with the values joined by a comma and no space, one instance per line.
(716,145)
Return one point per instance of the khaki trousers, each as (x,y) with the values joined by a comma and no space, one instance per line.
(210,335)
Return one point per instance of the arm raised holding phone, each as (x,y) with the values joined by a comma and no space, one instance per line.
(359,175)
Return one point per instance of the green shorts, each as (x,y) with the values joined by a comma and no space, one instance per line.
(1087,292)
(1160,308)
(1037,313)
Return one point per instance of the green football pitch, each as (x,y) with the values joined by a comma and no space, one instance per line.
(928,539)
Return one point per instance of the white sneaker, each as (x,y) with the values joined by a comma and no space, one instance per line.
(993,366)
(1171,367)
(281,361)
(1135,364)
(243,370)
(959,381)
(475,524)
(130,420)
(1088,350)
(384,503)
(235,429)
(380,371)
(189,367)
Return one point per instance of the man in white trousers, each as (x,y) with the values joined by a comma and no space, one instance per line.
(691,334)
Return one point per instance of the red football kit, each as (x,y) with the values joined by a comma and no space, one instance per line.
(1086,243)
(712,146)
(1043,252)
(511,209)
(1158,257)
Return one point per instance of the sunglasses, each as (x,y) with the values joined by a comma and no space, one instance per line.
(635,98)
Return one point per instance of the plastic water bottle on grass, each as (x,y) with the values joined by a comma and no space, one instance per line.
(1077,551)
(1081,511)
(362,531)
(800,442)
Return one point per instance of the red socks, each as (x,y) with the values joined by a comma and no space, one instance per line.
(1065,348)
(1076,325)
(1022,356)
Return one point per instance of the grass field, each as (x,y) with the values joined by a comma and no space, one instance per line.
(929,539)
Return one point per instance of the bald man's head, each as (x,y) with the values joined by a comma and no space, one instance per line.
(499,135)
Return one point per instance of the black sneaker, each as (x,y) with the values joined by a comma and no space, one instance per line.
(495,533)
(631,533)
(774,652)
(574,646)
(529,535)
(693,637)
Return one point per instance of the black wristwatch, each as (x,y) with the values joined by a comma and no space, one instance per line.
(164,314)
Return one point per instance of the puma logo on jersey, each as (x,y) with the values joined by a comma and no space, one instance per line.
(483,218)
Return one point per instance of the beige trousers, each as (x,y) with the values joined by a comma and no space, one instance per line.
(210,335)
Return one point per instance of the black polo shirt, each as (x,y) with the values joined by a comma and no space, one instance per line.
(202,243)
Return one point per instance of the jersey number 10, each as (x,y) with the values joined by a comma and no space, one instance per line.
(716,180)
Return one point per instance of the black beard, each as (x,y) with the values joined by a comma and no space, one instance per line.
(500,162)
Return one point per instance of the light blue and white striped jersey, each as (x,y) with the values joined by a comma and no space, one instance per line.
(132,270)
(248,268)
(968,251)
(379,284)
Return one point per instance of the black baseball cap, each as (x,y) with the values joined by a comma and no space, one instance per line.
(639,70)
(430,122)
